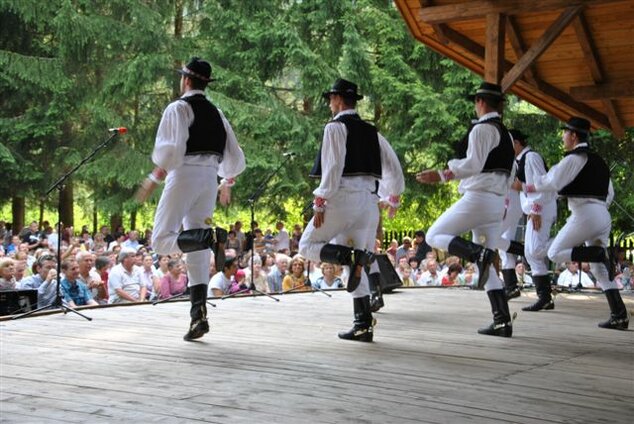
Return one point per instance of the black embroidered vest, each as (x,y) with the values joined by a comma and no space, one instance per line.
(363,154)
(207,133)
(501,158)
(521,165)
(592,181)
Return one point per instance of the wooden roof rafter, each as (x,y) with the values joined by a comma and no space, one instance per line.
(540,34)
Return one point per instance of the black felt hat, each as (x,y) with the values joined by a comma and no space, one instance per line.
(577,124)
(488,89)
(518,135)
(198,69)
(343,88)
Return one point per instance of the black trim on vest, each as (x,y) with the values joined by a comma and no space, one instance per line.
(363,153)
(501,158)
(593,181)
(207,134)
(521,165)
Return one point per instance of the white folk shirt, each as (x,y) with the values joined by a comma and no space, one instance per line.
(536,203)
(171,142)
(482,140)
(562,174)
(333,148)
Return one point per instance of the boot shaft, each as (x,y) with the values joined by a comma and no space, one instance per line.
(195,239)
(336,254)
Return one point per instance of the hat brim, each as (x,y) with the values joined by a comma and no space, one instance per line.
(326,95)
(571,128)
(472,97)
(191,75)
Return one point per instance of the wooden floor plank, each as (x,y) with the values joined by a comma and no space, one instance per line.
(268,362)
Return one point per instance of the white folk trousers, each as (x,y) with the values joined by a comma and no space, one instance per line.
(188,199)
(351,218)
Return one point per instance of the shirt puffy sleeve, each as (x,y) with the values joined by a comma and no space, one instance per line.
(482,139)
(392,180)
(562,174)
(172,135)
(233,161)
(333,148)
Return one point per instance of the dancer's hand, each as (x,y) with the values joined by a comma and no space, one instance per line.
(318,219)
(429,176)
(224,195)
(537,221)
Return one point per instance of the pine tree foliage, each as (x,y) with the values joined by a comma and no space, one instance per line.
(69,69)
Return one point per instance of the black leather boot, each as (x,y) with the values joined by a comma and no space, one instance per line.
(342,255)
(595,254)
(502,325)
(362,329)
(198,312)
(619,320)
(336,254)
(361,259)
(219,248)
(544,298)
(480,255)
(511,290)
(376,299)
(196,239)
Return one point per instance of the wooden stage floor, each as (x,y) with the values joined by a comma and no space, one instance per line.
(281,362)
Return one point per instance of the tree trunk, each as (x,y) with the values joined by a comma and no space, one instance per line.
(41,220)
(66,205)
(132,220)
(17,210)
(178,34)
(95,221)
(115,222)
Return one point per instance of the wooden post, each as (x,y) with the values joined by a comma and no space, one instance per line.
(494,49)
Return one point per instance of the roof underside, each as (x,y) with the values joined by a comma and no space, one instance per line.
(566,57)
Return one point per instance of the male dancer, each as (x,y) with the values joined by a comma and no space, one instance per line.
(352,157)
(541,209)
(484,167)
(583,178)
(194,145)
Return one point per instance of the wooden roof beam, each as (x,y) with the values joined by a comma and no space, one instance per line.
(540,46)
(519,48)
(477,50)
(611,90)
(439,29)
(591,56)
(478,9)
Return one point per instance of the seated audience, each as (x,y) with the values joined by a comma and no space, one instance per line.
(431,277)
(220,283)
(295,279)
(174,282)
(7,274)
(74,291)
(573,279)
(277,274)
(328,279)
(523,279)
(90,277)
(451,277)
(469,276)
(149,276)
(124,280)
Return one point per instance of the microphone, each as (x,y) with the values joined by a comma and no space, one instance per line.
(119,130)
(288,154)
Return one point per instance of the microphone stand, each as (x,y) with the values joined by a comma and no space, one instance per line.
(58,302)
(307,283)
(252,199)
